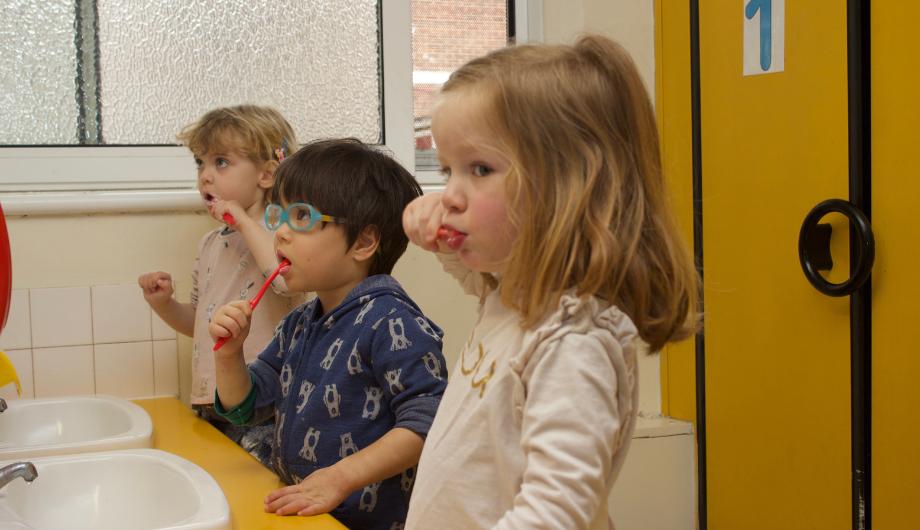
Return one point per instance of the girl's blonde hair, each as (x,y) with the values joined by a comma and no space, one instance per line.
(253,130)
(585,189)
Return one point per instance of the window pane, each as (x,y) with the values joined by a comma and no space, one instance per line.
(163,63)
(445,35)
(38,68)
(76,72)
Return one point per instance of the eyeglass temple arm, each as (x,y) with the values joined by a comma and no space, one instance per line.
(329,219)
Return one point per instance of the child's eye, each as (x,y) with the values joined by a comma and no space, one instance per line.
(198,163)
(445,172)
(301,214)
(222,162)
(481,170)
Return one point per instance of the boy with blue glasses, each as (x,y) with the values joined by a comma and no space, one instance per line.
(353,377)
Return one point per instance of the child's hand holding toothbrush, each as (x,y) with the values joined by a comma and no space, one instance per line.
(422,221)
(226,211)
(230,326)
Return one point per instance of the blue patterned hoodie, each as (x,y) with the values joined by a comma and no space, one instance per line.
(339,381)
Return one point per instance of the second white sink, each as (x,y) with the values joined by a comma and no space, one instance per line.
(77,424)
(135,489)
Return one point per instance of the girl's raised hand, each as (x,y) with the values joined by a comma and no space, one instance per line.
(421,220)
(218,208)
(231,320)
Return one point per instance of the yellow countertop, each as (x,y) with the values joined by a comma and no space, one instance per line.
(244,481)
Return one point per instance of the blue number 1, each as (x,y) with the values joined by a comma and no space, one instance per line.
(766,28)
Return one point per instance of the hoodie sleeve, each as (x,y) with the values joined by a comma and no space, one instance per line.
(407,363)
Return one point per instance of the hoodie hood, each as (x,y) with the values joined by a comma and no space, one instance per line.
(371,287)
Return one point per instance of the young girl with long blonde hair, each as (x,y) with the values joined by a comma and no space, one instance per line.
(556,214)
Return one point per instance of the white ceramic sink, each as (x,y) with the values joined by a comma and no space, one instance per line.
(133,489)
(67,425)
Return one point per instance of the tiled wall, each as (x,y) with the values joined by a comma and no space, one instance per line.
(89,340)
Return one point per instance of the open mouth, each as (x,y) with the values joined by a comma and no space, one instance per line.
(282,259)
(209,199)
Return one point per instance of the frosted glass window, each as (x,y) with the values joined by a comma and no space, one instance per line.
(38,71)
(163,63)
(125,72)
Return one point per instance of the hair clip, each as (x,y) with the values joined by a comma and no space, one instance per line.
(281,151)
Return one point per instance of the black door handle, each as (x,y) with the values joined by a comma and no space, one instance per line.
(864,251)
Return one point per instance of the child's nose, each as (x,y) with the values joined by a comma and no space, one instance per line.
(453,199)
(205,174)
(282,234)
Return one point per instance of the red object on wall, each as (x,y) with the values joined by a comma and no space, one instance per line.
(6,271)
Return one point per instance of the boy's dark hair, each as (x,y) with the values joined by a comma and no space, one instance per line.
(349,179)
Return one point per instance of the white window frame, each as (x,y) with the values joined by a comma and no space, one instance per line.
(99,179)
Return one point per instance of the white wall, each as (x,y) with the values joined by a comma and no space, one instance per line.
(629,22)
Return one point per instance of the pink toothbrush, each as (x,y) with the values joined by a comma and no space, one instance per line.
(255,299)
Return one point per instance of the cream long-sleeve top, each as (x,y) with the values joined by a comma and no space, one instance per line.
(535,423)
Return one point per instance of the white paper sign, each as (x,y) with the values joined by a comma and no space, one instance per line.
(764,36)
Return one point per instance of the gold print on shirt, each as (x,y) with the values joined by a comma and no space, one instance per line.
(474,371)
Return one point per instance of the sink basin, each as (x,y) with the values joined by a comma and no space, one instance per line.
(77,424)
(142,489)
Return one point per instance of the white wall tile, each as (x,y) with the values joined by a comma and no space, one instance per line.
(64,371)
(22,361)
(125,369)
(18,331)
(165,368)
(161,330)
(61,317)
(120,314)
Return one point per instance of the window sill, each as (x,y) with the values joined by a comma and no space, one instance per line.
(90,202)
(41,204)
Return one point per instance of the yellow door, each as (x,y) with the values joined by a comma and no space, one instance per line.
(896,276)
(777,352)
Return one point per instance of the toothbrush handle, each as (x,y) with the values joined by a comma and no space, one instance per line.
(229,219)
(255,299)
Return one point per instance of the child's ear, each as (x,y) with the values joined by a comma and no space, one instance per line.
(267,177)
(366,244)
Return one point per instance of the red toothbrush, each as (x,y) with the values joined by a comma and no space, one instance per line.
(452,238)
(255,299)
(229,219)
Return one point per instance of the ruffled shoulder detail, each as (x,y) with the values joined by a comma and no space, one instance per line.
(587,315)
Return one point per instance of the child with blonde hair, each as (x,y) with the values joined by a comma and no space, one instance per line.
(237,150)
(556,214)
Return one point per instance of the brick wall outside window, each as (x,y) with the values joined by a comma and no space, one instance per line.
(445,35)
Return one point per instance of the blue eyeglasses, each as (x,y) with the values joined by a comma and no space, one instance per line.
(299,216)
